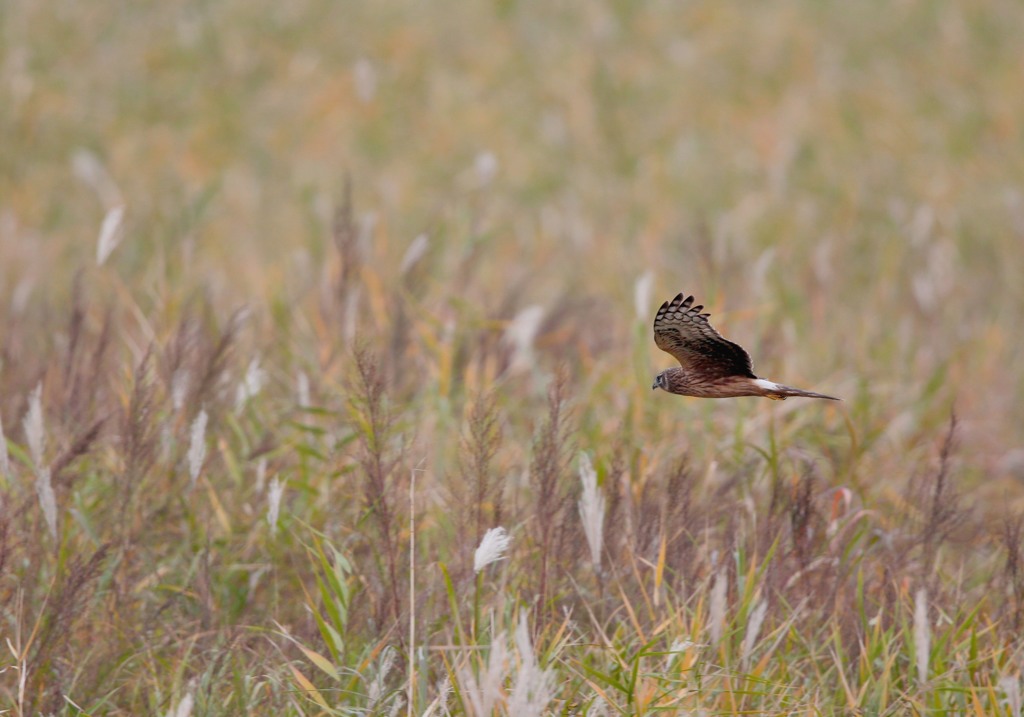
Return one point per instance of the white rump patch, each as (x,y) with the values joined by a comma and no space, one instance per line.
(767,385)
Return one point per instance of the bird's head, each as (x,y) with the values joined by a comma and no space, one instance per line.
(660,381)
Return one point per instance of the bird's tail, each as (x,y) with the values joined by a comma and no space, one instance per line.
(779,392)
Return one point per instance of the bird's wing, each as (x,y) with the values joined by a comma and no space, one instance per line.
(682,331)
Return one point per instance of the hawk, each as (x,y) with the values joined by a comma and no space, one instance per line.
(709,365)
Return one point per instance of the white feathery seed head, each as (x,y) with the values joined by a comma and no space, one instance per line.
(534,687)
(184,707)
(414,253)
(486,167)
(397,703)
(440,703)
(5,461)
(482,695)
(591,506)
(719,592)
(754,623)
(598,708)
(261,474)
(179,388)
(520,334)
(111,233)
(491,549)
(365,77)
(922,634)
(33,425)
(274,494)
(384,664)
(47,499)
(250,385)
(642,295)
(197,446)
(302,389)
(1010,685)
(678,647)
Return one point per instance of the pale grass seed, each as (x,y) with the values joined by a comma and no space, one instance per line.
(417,249)
(302,390)
(491,549)
(5,461)
(642,295)
(197,447)
(274,494)
(534,687)
(47,499)
(922,634)
(33,425)
(718,594)
(250,385)
(754,623)
(179,389)
(111,233)
(384,665)
(592,507)
(1010,685)
(365,80)
(261,475)
(520,334)
(183,708)
(483,695)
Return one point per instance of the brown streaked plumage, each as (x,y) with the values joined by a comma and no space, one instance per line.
(709,365)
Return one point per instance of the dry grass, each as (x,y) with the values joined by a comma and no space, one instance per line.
(360,240)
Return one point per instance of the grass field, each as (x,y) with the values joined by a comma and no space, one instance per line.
(298,300)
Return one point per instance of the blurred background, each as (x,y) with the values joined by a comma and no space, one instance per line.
(841,184)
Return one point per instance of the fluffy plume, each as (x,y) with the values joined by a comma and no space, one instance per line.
(384,665)
(414,253)
(642,295)
(197,447)
(47,500)
(33,425)
(491,549)
(250,385)
(677,648)
(183,708)
(365,77)
(302,389)
(440,703)
(753,629)
(179,388)
(111,233)
(520,334)
(483,695)
(486,167)
(35,435)
(1010,684)
(261,474)
(5,461)
(591,505)
(274,494)
(718,595)
(534,687)
(922,634)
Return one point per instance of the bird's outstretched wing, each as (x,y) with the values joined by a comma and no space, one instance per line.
(681,330)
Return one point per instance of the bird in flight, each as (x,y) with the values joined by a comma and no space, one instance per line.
(709,365)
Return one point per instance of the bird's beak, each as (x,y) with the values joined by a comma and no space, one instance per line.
(654,385)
